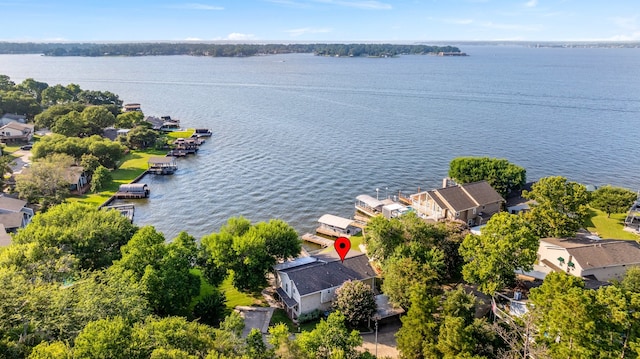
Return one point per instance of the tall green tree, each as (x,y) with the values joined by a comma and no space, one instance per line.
(502,175)
(330,339)
(46,181)
(560,207)
(566,317)
(100,179)
(507,243)
(33,88)
(612,199)
(356,301)
(418,335)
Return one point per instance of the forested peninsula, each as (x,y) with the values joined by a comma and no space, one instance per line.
(219,50)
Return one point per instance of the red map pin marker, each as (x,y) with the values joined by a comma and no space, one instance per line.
(342,246)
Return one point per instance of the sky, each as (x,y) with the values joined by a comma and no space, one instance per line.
(320,20)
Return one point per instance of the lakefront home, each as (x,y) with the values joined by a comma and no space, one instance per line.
(308,284)
(471,203)
(589,257)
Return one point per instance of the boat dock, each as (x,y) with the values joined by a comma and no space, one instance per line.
(127,210)
(323,242)
(162,165)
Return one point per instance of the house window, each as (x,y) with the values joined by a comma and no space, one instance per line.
(474,211)
(286,287)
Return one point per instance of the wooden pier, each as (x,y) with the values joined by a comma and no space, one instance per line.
(323,242)
(162,165)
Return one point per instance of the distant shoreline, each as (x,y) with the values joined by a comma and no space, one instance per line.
(221,50)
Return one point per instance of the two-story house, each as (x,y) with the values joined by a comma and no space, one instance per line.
(471,203)
(16,131)
(309,283)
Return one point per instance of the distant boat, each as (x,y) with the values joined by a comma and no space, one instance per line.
(203,132)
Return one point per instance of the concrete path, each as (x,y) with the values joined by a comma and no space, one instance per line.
(387,346)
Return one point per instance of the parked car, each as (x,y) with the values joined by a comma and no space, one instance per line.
(26,147)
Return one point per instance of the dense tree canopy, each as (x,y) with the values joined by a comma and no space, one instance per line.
(612,199)
(560,207)
(250,251)
(506,244)
(92,236)
(356,301)
(502,175)
(46,182)
(106,151)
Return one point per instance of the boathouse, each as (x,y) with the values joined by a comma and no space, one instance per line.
(335,226)
(203,132)
(133,190)
(162,165)
(368,205)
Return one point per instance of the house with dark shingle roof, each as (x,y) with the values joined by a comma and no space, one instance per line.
(590,258)
(471,203)
(309,283)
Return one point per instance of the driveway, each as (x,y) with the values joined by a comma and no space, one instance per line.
(387,346)
(255,317)
(22,157)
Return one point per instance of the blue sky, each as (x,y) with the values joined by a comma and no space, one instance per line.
(321,20)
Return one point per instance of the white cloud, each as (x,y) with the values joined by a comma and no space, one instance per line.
(307,30)
(193,39)
(197,6)
(531,3)
(290,3)
(236,36)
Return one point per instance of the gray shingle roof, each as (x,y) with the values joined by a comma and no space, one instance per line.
(329,272)
(599,253)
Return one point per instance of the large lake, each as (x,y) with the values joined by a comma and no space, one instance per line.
(298,136)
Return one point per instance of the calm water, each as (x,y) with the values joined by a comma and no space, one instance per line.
(297,136)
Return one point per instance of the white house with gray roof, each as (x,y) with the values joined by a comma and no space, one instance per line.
(309,283)
(590,258)
(14,213)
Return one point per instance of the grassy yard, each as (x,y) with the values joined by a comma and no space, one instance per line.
(181,134)
(236,297)
(608,228)
(280,316)
(132,166)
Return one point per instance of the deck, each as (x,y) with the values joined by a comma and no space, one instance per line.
(323,242)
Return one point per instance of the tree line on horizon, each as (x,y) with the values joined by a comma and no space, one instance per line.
(218,50)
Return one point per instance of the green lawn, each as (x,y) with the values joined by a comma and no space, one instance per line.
(181,134)
(608,228)
(134,163)
(236,297)
(205,288)
(280,316)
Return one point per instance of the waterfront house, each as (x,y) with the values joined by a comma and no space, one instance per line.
(335,226)
(14,213)
(589,257)
(470,203)
(164,123)
(16,131)
(130,107)
(308,284)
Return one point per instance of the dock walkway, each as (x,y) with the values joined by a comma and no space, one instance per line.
(324,242)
